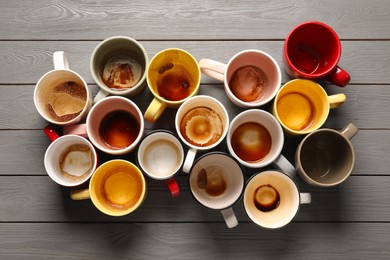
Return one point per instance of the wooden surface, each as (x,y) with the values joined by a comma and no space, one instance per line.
(38,220)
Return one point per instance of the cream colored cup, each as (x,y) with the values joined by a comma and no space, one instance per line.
(302,106)
(173,76)
(117,188)
(201,123)
(272,199)
(68,106)
(326,157)
(128,59)
(251,77)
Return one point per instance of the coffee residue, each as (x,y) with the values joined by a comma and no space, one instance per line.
(247,83)
(266,198)
(76,162)
(212,181)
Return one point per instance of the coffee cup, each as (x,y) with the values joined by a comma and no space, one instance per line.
(251,77)
(302,106)
(61,96)
(326,157)
(312,51)
(70,160)
(173,76)
(255,139)
(272,199)
(117,188)
(160,155)
(115,125)
(217,182)
(118,66)
(201,123)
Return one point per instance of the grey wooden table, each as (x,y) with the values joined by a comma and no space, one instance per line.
(38,220)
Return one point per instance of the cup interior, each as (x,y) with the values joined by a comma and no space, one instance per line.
(225,181)
(313,48)
(270,72)
(117,187)
(326,157)
(289,199)
(160,155)
(54,157)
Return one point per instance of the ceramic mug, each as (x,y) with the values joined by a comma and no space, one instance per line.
(251,77)
(173,76)
(201,123)
(115,125)
(312,51)
(217,182)
(118,66)
(302,106)
(61,96)
(117,188)
(160,155)
(326,157)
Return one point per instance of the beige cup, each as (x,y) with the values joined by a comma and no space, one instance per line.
(117,188)
(326,157)
(201,123)
(251,77)
(272,199)
(118,66)
(61,96)
(173,76)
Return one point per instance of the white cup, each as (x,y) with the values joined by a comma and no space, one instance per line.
(207,126)
(217,181)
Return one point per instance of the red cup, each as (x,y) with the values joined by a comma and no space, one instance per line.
(312,51)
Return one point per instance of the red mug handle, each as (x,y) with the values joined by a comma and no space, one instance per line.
(173,187)
(51,133)
(339,77)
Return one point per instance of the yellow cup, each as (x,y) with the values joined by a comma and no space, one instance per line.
(302,106)
(173,76)
(117,188)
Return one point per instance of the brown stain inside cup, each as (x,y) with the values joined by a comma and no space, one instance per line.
(266,198)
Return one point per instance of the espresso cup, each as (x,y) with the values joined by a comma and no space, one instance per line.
(117,188)
(326,157)
(115,125)
(61,96)
(173,76)
(302,106)
(272,199)
(217,181)
(201,123)
(118,66)
(312,51)
(255,139)
(70,160)
(160,156)
(251,77)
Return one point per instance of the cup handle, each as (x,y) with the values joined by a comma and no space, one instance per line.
(78,129)
(99,96)
(189,160)
(305,198)
(173,187)
(60,61)
(212,68)
(339,77)
(336,100)
(80,194)
(155,109)
(51,133)
(349,131)
(229,217)
(282,163)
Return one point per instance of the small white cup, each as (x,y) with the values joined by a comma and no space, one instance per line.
(218,116)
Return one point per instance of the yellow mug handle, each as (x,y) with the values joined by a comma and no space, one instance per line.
(336,100)
(80,194)
(154,110)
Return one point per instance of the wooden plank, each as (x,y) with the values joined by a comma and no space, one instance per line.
(38,198)
(24,62)
(193,241)
(68,20)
